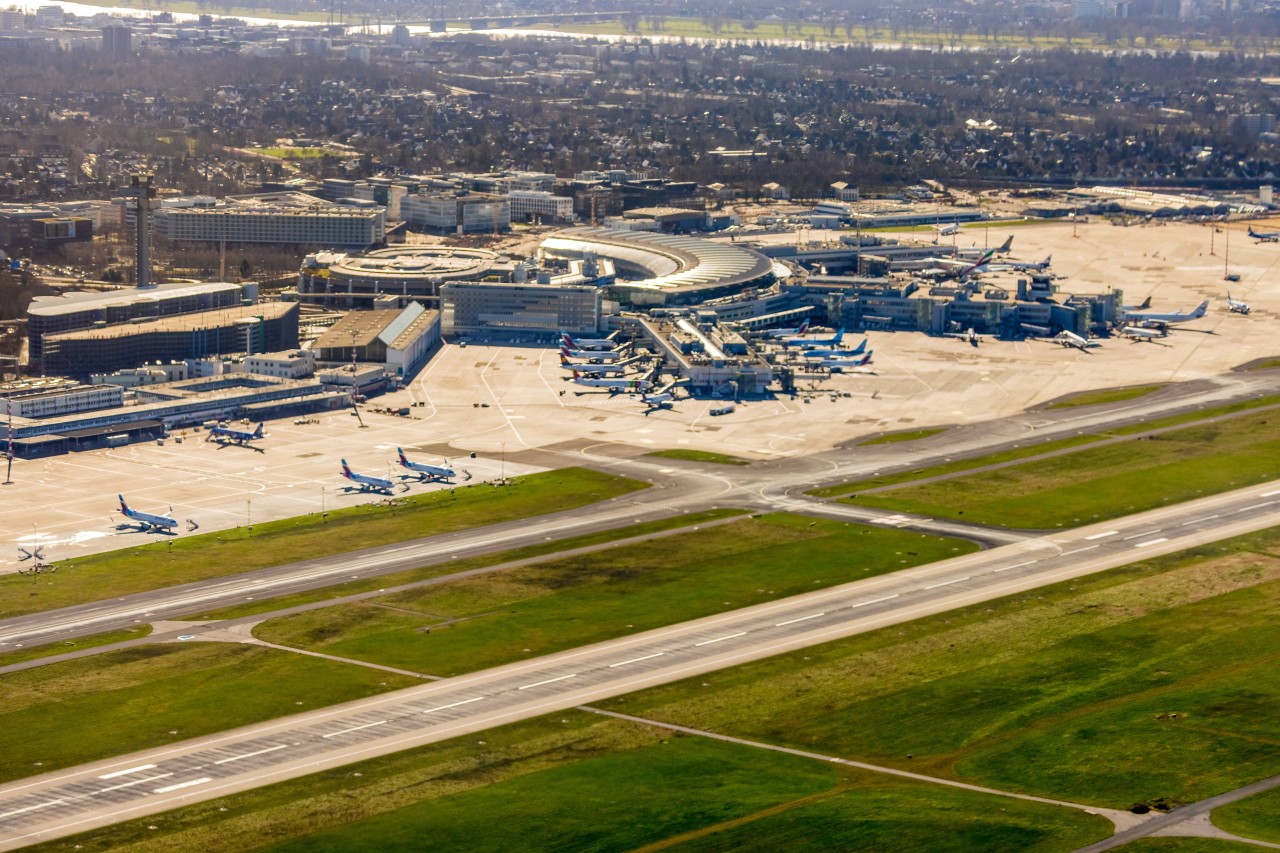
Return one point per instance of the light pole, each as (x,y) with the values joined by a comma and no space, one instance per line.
(503,470)
(248,514)
(324,516)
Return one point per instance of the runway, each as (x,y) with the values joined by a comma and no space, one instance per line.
(73,800)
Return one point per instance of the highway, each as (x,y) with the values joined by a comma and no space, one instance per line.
(73,800)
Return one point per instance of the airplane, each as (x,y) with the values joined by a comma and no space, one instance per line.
(1033,266)
(1155,318)
(147,521)
(786,333)
(844,365)
(614,385)
(1236,306)
(586,343)
(958,269)
(658,400)
(36,553)
(945,230)
(813,343)
(596,356)
(969,336)
(434,472)
(618,367)
(1264,236)
(974,254)
(858,350)
(366,481)
(1146,303)
(238,436)
(1140,334)
(1071,339)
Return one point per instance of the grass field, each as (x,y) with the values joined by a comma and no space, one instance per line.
(481,622)
(68,713)
(1255,817)
(1107,395)
(1093,484)
(906,435)
(575,782)
(1186,845)
(1069,692)
(192,558)
(267,605)
(46,650)
(292,153)
(700,456)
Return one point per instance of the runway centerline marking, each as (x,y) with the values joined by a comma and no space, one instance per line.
(1255,506)
(1101,535)
(548,681)
(131,784)
(799,619)
(636,660)
(137,769)
(188,784)
(875,600)
(452,705)
(718,639)
(946,583)
(1152,542)
(1078,550)
(33,808)
(354,729)
(1140,535)
(1014,566)
(251,754)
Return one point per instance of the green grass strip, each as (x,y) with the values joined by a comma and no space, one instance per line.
(192,558)
(1109,395)
(1255,817)
(700,456)
(906,435)
(486,621)
(91,641)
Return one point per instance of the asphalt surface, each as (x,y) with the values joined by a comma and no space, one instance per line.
(105,792)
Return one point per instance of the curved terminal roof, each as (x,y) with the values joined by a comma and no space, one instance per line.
(667,265)
(412,263)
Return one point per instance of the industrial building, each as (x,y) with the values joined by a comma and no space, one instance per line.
(50,314)
(41,227)
(283,218)
(400,339)
(470,307)
(242,329)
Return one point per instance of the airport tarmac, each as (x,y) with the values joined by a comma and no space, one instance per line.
(512,406)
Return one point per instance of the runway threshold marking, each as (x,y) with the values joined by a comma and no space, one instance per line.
(1152,542)
(719,639)
(354,729)
(452,705)
(190,783)
(548,681)
(636,660)
(251,754)
(137,769)
(44,805)
(799,619)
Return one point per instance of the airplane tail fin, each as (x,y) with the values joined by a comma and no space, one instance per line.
(403,459)
(839,337)
(1201,309)
(866,359)
(804,327)
(346,469)
(859,348)
(1006,245)
(1048,259)
(258,433)
(124,507)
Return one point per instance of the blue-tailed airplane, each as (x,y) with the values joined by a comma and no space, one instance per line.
(425,471)
(365,481)
(814,343)
(586,343)
(1264,236)
(147,521)
(238,436)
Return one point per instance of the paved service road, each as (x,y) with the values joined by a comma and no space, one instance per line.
(64,802)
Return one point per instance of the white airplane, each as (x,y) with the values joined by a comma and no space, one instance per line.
(595,356)
(814,343)
(835,351)
(586,343)
(1156,318)
(973,253)
(1033,266)
(1071,339)
(945,230)
(658,400)
(774,334)
(944,268)
(365,481)
(434,472)
(969,336)
(1139,334)
(1146,303)
(614,385)
(1236,306)
(1264,236)
(844,365)
(147,521)
(238,436)
(594,369)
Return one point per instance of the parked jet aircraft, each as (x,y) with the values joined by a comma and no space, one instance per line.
(433,472)
(147,521)
(773,334)
(614,385)
(1236,306)
(594,369)
(1156,318)
(237,436)
(945,268)
(814,343)
(1139,334)
(1019,266)
(365,481)
(1264,236)
(1071,339)
(973,254)
(945,230)
(969,336)
(595,356)
(586,343)
(843,365)
(658,400)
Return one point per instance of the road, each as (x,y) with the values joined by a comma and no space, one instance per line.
(73,800)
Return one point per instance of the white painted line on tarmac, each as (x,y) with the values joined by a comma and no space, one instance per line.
(874,600)
(1014,566)
(799,619)
(548,681)
(354,729)
(1140,535)
(1270,494)
(718,639)
(137,769)
(188,784)
(1152,542)
(131,784)
(1255,506)
(1078,550)
(1198,520)
(452,705)
(946,583)
(251,754)
(1101,535)
(636,660)
(33,808)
